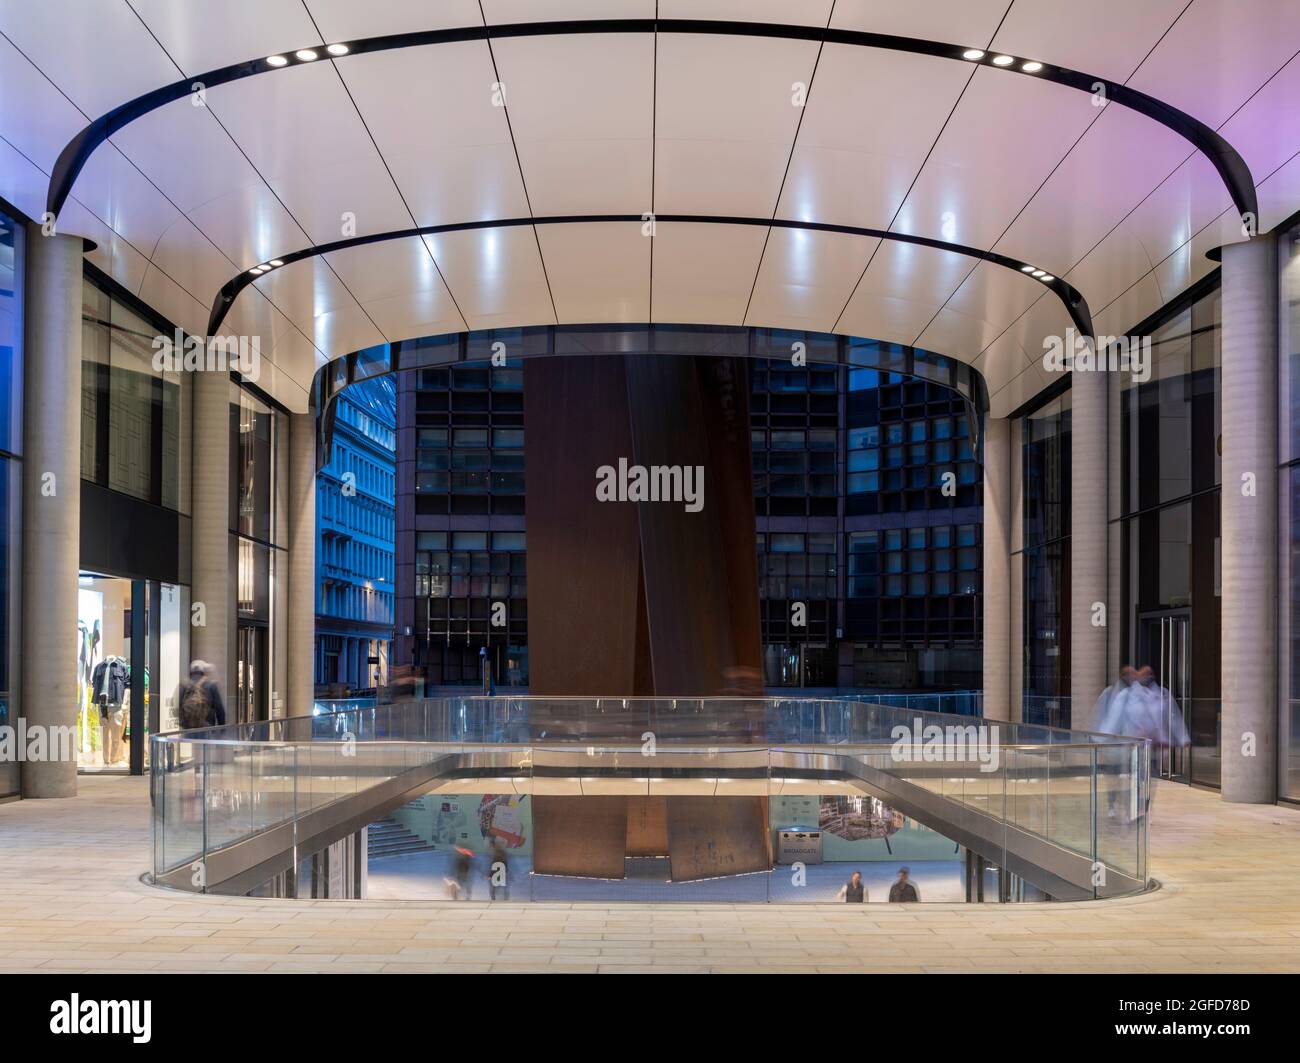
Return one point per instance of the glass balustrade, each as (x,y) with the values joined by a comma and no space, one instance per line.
(1026,791)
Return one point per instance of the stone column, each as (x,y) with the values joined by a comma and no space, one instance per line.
(1089,494)
(997,569)
(212,579)
(1250,521)
(302,563)
(51,506)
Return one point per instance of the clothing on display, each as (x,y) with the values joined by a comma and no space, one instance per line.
(110,680)
(109,685)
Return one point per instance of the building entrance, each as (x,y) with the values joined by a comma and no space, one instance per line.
(1164,642)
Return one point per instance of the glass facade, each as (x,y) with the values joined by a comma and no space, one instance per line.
(132,414)
(911,617)
(257,554)
(11,391)
(1164,451)
(462,578)
(1045,563)
(470,577)
(1289,509)
(1169,464)
(355,521)
(470,443)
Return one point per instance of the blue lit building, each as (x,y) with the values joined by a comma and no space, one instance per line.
(354,523)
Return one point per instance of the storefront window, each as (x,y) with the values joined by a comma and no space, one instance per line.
(132,655)
(105,681)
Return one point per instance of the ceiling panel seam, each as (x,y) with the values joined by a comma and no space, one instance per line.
(917,176)
(514,144)
(279,199)
(396,187)
(794,142)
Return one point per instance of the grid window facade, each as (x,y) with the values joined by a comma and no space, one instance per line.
(470,440)
(794,420)
(909,446)
(910,586)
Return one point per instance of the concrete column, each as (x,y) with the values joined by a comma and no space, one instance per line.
(212,579)
(1250,520)
(302,562)
(997,569)
(1089,493)
(51,503)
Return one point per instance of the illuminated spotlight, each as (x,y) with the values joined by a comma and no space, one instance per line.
(307,55)
(1026,269)
(998,60)
(277,262)
(257,271)
(1046,277)
(1040,273)
(277,60)
(972,54)
(1031,67)
(337,49)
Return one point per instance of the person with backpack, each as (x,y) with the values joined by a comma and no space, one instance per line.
(199,700)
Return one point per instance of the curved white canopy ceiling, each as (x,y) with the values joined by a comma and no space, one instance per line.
(194,193)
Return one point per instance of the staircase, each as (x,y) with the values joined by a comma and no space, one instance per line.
(387,837)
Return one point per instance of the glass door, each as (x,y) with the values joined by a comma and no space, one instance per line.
(1164,645)
(250,676)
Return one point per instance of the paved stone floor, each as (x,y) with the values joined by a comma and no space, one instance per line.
(71,900)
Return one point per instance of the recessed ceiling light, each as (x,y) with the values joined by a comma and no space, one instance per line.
(277,262)
(277,60)
(257,271)
(998,60)
(1031,67)
(307,55)
(1026,269)
(972,53)
(1046,277)
(1040,273)
(337,49)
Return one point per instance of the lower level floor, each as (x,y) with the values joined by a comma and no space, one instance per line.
(71,899)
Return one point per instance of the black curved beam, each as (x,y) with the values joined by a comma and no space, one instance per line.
(1075,304)
(1231,166)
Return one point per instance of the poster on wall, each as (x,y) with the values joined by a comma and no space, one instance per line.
(471,821)
(857,827)
(500,819)
(857,817)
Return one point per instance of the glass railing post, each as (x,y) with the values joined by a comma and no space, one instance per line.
(203,828)
(1096,855)
(157,783)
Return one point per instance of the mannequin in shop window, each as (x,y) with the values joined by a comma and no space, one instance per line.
(110,682)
